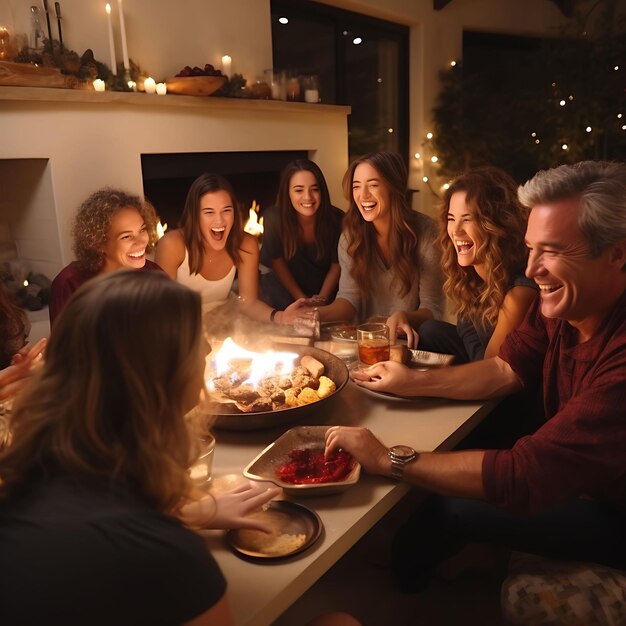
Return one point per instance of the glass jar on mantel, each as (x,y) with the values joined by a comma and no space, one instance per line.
(311,88)
(294,92)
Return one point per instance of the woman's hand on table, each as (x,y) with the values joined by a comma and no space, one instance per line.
(231,508)
(399,326)
(388,376)
(301,308)
(362,445)
(23,363)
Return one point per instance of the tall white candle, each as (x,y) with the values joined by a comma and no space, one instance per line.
(123,33)
(226,65)
(111,44)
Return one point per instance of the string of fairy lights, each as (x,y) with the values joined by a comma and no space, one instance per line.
(428,162)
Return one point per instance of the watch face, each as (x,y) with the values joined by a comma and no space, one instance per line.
(402,452)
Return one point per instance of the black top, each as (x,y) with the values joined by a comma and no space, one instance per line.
(69,556)
(307,271)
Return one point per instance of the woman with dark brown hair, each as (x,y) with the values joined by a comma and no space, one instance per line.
(211,248)
(95,491)
(300,238)
(482,225)
(112,230)
(386,252)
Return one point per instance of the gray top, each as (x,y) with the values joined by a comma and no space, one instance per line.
(426,292)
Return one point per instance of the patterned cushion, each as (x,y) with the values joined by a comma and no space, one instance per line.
(540,591)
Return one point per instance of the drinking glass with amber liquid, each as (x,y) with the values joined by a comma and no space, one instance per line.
(373,343)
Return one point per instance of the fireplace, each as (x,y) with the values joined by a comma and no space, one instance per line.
(254,176)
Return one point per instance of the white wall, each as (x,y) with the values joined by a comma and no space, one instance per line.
(165,36)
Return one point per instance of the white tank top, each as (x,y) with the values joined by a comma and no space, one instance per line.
(213,292)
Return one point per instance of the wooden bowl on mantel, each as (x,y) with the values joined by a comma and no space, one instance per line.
(195,85)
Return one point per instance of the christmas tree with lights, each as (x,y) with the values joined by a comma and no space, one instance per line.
(565,102)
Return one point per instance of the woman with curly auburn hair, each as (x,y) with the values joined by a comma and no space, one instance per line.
(482,225)
(388,259)
(95,491)
(112,230)
(211,248)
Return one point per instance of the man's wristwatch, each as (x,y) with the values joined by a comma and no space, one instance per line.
(400,456)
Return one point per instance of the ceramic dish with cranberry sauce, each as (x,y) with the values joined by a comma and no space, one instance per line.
(296,462)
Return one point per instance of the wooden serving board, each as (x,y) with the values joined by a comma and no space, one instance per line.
(26,75)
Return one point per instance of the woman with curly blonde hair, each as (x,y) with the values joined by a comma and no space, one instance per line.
(95,493)
(482,225)
(387,254)
(112,230)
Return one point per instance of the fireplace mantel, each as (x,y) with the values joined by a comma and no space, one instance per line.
(60,145)
(40,94)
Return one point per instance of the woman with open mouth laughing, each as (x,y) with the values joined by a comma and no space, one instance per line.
(211,248)
(387,253)
(112,230)
(482,225)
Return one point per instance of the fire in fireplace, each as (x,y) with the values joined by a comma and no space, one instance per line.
(253,175)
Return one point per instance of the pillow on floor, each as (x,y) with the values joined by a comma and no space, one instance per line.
(540,591)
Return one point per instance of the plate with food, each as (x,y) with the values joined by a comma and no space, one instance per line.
(296,462)
(282,385)
(293,529)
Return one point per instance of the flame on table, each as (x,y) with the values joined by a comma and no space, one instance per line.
(161,228)
(262,364)
(254,225)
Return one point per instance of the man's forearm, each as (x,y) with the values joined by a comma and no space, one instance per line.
(481,380)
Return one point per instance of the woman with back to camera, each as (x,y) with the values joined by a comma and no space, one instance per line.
(112,230)
(95,480)
(211,248)
(386,252)
(300,238)
(482,226)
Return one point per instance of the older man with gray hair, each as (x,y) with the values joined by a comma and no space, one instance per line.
(560,492)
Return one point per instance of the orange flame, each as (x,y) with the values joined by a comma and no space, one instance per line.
(254,225)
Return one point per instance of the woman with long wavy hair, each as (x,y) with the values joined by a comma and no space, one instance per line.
(482,225)
(300,238)
(386,252)
(95,483)
(211,249)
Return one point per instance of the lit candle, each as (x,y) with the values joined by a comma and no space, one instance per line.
(123,33)
(226,64)
(311,95)
(161,89)
(98,85)
(111,44)
(149,85)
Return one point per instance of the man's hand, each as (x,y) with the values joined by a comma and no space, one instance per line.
(362,445)
(389,376)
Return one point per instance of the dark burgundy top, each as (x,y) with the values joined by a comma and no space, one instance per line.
(581,448)
(69,279)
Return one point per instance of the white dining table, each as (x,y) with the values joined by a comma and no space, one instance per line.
(260,592)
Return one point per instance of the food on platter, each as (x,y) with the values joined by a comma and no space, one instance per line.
(309,466)
(240,389)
